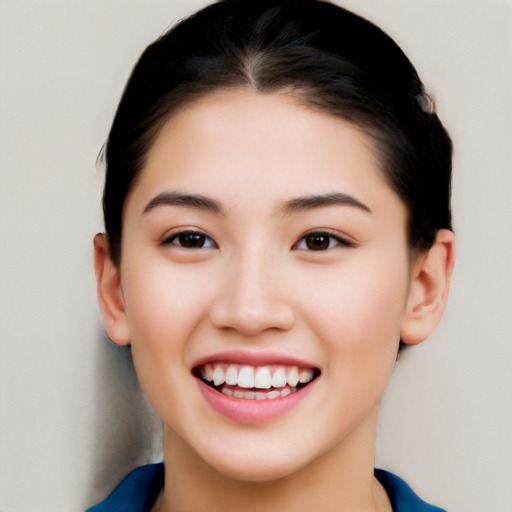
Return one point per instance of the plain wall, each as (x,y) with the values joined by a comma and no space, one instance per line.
(72,418)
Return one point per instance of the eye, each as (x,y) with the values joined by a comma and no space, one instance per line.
(190,240)
(321,241)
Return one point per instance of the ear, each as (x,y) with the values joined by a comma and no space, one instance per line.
(110,294)
(428,292)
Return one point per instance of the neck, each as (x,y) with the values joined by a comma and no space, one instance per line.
(341,479)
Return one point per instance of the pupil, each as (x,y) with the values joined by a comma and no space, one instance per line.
(191,240)
(317,242)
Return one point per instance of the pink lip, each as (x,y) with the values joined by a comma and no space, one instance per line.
(259,358)
(252,411)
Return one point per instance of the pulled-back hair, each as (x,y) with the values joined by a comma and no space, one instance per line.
(328,58)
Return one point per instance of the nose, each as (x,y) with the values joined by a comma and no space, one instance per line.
(254,299)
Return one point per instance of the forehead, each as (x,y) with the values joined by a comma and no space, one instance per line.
(241,145)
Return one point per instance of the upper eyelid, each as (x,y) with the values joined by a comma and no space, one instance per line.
(336,235)
(184,229)
(341,241)
(168,238)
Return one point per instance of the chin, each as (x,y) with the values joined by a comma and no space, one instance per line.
(256,468)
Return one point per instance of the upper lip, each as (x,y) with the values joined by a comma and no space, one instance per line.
(253,358)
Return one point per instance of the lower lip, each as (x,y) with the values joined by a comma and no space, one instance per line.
(252,411)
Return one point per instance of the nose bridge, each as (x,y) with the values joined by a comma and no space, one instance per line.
(255,280)
(254,297)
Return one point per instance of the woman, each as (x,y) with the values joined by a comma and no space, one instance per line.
(277,214)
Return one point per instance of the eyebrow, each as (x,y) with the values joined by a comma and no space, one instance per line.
(319,201)
(184,200)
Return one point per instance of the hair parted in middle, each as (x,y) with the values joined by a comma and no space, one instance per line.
(327,58)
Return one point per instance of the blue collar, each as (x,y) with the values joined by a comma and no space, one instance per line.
(140,489)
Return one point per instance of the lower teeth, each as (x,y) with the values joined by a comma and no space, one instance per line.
(258,395)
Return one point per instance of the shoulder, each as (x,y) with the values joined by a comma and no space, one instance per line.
(401,496)
(136,493)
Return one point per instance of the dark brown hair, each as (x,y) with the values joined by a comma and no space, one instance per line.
(327,57)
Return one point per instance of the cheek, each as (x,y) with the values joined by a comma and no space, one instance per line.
(374,309)
(360,331)
(164,306)
(359,309)
(166,310)
(161,296)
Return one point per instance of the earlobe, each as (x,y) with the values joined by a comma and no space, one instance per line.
(110,297)
(428,292)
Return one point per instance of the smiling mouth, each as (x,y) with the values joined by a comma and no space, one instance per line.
(255,382)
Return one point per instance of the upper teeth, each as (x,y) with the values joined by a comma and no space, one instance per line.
(260,377)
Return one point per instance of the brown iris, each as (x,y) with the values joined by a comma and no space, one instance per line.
(317,242)
(191,240)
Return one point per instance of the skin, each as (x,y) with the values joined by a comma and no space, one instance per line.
(256,286)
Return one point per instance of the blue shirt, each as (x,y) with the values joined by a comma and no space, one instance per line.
(140,489)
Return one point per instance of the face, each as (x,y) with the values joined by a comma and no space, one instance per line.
(264,277)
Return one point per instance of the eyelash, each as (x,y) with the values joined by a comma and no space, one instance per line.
(339,241)
(202,239)
(189,233)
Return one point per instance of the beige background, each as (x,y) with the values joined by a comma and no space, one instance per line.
(72,420)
